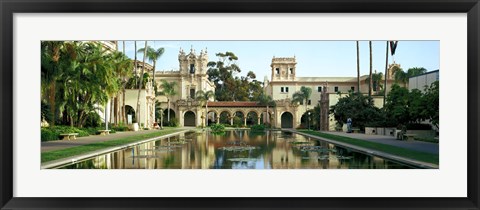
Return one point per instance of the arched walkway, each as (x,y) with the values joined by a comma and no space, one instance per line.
(238,119)
(225,117)
(165,116)
(130,111)
(252,118)
(189,119)
(287,120)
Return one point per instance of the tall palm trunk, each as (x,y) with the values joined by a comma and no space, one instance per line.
(135,64)
(358,68)
(370,82)
(168,110)
(124,117)
(141,82)
(386,76)
(206,114)
(51,101)
(154,93)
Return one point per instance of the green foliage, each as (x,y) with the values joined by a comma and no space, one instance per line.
(53,132)
(419,126)
(358,107)
(78,76)
(406,107)
(93,120)
(431,97)
(217,128)
(173,122)
(237,121)
(228,86)
(258,128)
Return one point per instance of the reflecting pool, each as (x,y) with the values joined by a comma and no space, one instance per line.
(236,149)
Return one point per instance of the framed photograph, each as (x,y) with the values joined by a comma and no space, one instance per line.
(281,74)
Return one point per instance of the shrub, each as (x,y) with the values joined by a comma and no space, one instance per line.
(237,121)
(53,133)
(48,135)
(173,122)
(217,128)
(93,120)
(257,128)
(419,126)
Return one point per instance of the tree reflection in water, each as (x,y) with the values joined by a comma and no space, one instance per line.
(237,149)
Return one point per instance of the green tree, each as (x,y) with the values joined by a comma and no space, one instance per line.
(140,82)
(204,97)
(377,85)
(431,101)
(303,95)
(266,100)
(168,89)
(153,55)
(50,71)
(396,106)
(402,77)
(358,107)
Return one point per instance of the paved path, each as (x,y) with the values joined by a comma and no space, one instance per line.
(64,144)
(390,140)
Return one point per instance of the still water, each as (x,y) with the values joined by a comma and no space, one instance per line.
(238,149)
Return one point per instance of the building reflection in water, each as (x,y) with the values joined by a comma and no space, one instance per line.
(236,149)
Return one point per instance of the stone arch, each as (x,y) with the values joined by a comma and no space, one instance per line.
(252,117)
(224,117)
(286,120)
(212,117)
(130,111)
(189,118)
(165,114)
(239,117)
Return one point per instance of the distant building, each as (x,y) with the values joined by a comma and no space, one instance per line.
(284,83)
(423,80)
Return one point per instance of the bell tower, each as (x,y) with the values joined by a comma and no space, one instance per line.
(283,69)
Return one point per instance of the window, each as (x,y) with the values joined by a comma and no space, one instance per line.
(281,89)
(291,70)
(309,102)
(277,70)
(352,88)
(286,89)
(319,89)
(192,93)
(192,68)
(336,88)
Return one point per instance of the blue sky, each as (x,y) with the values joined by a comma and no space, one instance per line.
(314,58)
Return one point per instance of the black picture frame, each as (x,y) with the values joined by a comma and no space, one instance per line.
(10,7)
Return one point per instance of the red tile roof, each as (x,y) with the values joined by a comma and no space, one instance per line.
(234,104)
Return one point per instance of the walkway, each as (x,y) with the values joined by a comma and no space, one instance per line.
(64,144)
(420,146)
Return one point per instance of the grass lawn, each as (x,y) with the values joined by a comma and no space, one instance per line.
(398,151)
(64,153)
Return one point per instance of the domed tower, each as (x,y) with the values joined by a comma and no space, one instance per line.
(283,69)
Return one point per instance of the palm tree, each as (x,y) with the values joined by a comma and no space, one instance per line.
(370,84)
(50,71)
(401,76)
(358,68)
(153,55)
(267,101)
(168,89)
(122,65)
(140,81)
(302,95)
(376,81)
(204,97)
